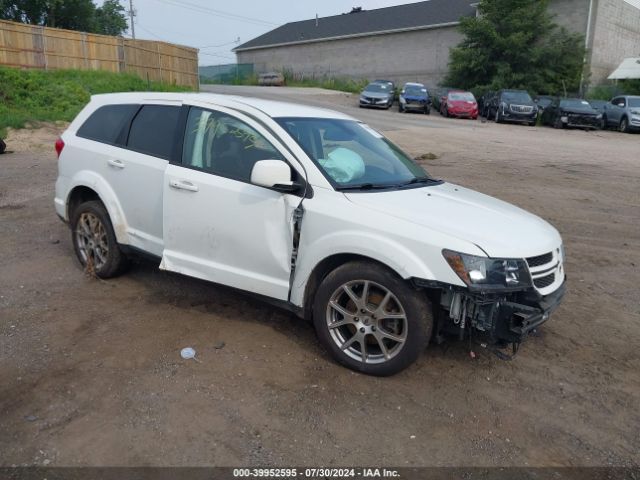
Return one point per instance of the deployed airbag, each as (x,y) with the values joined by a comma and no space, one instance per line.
(343,165)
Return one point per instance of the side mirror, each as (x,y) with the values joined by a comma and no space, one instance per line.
(274,174)
(621,105)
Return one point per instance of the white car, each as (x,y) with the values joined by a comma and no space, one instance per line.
(311,209)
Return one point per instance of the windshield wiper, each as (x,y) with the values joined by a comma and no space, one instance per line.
(417,180)
(364,186)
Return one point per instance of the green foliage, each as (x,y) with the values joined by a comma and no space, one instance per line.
(110,19)
(608,91)
(82,15)
(28,96)
(291,80)
(515,44)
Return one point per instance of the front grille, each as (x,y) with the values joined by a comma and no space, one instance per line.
(544,281)
(540,260)
(521,108)
(582,119)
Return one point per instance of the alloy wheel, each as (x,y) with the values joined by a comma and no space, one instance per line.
(92,241)
(366,321)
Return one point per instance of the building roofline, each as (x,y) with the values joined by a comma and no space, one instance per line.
(342,37)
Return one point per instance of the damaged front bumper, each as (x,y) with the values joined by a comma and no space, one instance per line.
(501,318)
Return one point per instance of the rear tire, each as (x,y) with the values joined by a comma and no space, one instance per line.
(94,241)
(370,319)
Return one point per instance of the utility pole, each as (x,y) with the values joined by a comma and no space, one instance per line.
(132,13)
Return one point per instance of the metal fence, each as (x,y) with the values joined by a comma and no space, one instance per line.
(31,46)
(232,73)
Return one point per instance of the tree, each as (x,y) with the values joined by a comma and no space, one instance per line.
(82,15)
(516,44)
(111,18)
(71,14)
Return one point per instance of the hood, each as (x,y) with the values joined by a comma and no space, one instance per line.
(376,94)
(462,103)
(497,227)
(579,111)
(414,97)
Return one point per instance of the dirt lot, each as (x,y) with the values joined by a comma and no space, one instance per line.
(90,372)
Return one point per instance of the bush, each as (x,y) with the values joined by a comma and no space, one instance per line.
(29,96)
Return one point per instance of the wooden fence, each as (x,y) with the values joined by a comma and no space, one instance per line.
(31,46)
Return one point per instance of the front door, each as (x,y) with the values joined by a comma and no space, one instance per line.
(218,226)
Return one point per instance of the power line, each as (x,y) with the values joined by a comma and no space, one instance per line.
(217,13)
(221,45)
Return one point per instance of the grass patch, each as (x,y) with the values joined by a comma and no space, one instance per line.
(31,96)
(340,84)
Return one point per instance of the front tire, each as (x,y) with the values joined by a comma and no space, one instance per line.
(498,118)
(370,319)
(94,241)
(624,125)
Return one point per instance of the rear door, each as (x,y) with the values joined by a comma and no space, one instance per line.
(218,226)
(137,173)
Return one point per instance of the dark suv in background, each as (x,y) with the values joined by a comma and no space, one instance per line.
(513,106)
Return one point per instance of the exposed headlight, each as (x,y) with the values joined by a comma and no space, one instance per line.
(564,119)
(635,112)
(482,273)
(599,116)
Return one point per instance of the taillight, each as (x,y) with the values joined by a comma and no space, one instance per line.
(59,146)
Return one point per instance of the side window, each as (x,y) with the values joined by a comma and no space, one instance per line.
(106,124)
(223,145)
(153,130)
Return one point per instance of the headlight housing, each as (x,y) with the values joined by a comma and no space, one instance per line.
(483,273)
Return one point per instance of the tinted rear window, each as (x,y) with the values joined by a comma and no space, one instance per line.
(106,123)
(153,130)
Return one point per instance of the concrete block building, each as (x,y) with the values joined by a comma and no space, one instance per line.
(411,42)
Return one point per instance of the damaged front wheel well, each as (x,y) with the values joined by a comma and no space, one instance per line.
(323,269)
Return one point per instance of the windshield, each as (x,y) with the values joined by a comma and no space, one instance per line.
(377,87)
(575,103)
(352,154)
(634,102)
(415,91)
(516,97)
(462,96)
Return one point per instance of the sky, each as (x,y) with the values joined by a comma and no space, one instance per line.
(214,26)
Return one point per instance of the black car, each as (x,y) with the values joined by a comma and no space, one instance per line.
(571,112)
(484,102)
(513,106)
(543,101)
(599,106)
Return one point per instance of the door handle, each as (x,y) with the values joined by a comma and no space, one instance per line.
(114,162)
(183,185)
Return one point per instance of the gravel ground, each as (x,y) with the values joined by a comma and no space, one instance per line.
(90,371)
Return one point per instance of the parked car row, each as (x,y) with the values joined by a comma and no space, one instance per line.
(508,105)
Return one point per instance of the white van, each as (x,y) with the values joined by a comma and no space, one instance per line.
(311,209)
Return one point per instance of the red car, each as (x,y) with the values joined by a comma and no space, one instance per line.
(459,104)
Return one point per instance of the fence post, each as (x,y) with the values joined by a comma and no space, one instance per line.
(159,61)
(84,50)
(122,56)
(43,39)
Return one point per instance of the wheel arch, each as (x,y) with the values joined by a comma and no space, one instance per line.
(88,186)
(328,265)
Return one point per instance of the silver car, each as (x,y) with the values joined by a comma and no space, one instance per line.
(378,95)
(623,113)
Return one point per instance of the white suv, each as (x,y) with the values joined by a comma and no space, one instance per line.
(309,208)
